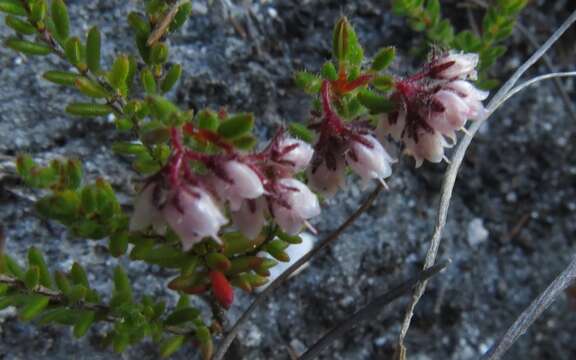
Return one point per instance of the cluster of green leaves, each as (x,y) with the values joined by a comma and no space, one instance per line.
(497,26)
(361,87)
(66,298)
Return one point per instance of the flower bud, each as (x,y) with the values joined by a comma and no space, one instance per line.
(455,66)
(294,153)
(302,205)
(223,292)
(193,215)
(245,184)
(368,159)
(251,217)
(326,181)
(146,212)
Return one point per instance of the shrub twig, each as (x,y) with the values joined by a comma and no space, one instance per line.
(227,341)
(452,172)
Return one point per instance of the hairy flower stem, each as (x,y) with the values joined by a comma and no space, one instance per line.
(263,296)
(57,298)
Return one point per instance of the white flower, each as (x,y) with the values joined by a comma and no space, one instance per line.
(327,181)
(369,160)
(302,205)
(430,146)
(294,153)
(391,124)
(245,184)
(451,116)
(456,66)
(146,212)
(193,215)
(472,96)
(251,217)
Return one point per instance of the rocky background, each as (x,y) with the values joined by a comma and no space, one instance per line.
(512,220)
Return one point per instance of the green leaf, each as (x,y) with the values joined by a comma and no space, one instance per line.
(63,316)
(38,10)
(236,125)
(118,244)
(28,47)
(329,71)
(376,104)
(122,283)
(128,148)
(13,7)
(33,306)
(13,268)
(73,174)
(60,18)
(32,277)
(171,345)
(20,26)
(162,109)
(383,58)
(208,120)
(119,72)
(91,88)
(245,142)
(181,16)
(93,45)
(85,320)
(77,293)
(218,261)
(148,81)
(73,50)
(340,40)
(433,10)
(88,109)
(139,24)
(308,82)
(61,77)
(171,78)
(159,53)
(383,83)
(78,275)
(181,316)
(276,249)
(35,258)
(62,282)
(301,131)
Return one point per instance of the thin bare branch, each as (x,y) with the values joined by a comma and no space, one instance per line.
(452,172)
(225,343)
(533,312)
(371,310)
(163,25)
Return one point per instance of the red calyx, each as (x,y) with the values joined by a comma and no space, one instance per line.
(221,289)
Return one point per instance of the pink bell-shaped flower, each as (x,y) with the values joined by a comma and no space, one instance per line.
(448,113)
(193,215)
(294,153)
(251,217)
(146,211)
(302,205)
(429,146)
(325,180)
(368,159)
(245,184)
(471,95)
(455,66)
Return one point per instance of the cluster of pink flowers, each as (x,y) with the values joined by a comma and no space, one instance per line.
(432,105)
(340,144)
(253,187)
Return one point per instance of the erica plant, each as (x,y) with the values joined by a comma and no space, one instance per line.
(214,207)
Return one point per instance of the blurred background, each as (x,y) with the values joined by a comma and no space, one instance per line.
(512,222)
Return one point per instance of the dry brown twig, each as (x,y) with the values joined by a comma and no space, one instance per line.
(505,92)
